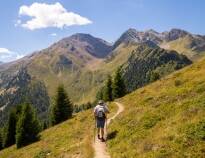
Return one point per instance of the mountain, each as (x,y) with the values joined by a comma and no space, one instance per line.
(94,46)
(163,119)
(179,40)
(134,36)
(22,88)
(81,62)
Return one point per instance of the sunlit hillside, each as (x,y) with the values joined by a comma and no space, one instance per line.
(163,119)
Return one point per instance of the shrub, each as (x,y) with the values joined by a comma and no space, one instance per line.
(196,131)
(177,83)
(150,120)
(42,154)
(154,76)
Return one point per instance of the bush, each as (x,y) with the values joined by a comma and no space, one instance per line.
(196,131)
(154,76)
(177,83)
(150,120)
(42,154)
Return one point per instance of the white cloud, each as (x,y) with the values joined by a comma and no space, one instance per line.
(6,55)
(18,22)
(4,51)
(49,15)
(53,34)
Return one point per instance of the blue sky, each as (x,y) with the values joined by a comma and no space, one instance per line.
(102,18)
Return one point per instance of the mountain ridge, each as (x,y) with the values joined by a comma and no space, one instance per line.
(76,62)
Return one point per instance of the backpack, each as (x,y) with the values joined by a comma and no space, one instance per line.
(101,112)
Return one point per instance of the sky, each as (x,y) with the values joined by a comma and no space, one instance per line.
(31,25)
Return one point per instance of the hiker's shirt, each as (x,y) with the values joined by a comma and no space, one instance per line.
(99,107)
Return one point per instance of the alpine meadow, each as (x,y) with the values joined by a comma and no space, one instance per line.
(102,79)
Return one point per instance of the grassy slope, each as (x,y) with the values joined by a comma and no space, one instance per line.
(69,139)
(82,83)
(181,45)
(163,118)
(72,138)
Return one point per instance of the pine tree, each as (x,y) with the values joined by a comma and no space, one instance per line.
(1,139)
(28,126)
(99,95)
(118,86)
(10,130)
(154,76)
(62,108)
(107,96)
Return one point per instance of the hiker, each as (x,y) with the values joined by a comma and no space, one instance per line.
(100,112)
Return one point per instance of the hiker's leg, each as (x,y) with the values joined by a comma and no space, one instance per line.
(102,132)
(98,131)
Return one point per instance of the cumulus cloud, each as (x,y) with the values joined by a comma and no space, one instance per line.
(49,15)
(6,55)
(53,34)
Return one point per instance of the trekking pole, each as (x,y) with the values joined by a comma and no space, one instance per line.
(95,130)
(106,128)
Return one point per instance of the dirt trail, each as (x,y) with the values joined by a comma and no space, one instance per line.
(100,147)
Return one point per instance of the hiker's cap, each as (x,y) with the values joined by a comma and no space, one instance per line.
(101,102)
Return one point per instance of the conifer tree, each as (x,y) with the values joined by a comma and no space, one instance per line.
(107,96)
(118,86)
(1,139)
(28,126)
(99,95)
(154,76)
(10,130)
(62,108)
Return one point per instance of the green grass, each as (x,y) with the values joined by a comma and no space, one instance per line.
(72,138)
(163,119)
(68,139)
(182,45)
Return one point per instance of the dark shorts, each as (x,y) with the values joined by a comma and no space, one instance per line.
(100,123)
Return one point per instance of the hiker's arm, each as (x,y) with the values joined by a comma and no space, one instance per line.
(107,110)
(94,113)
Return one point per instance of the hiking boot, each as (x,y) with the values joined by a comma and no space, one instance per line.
(102,139)
(98,136)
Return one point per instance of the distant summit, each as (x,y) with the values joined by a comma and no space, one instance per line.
(176,39)
(94,46)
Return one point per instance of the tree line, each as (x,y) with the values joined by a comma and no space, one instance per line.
(113,88)
(23,126)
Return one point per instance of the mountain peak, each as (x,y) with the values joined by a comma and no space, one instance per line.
(132,35)
(81,42)
(152,31)
(174,34)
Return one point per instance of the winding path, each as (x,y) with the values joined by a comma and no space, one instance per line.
(100,147)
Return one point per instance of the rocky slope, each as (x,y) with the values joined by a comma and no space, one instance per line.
(176,39)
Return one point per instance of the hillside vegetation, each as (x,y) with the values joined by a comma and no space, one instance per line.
(163,119)
(70,139)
